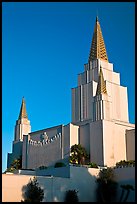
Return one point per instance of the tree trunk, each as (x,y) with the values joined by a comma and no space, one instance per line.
(82,160)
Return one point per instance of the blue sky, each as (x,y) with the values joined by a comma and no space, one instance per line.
(44,48)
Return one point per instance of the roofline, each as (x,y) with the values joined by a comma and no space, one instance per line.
(46,129)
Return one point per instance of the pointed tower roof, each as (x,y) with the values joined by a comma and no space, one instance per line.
(23,113)
(101,88)
(98,50)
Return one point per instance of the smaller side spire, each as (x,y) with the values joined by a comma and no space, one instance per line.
(101,88)
(23,112)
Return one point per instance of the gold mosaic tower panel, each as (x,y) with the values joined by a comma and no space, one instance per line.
(101,88)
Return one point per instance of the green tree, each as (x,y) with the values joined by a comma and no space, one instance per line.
(92,165)
(78,154)
(15,165)
(32,192)
(71,196)
(107,186)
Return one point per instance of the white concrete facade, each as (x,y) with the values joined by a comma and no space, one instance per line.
(86,105)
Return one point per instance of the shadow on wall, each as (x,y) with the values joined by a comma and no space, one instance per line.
(44,183)
(83,180)
(80,180)
(126,176)
(32,192)
(24,190)
(131,195)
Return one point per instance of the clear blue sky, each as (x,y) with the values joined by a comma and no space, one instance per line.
(44,48)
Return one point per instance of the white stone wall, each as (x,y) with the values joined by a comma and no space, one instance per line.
(119,102)
(12,187)
(130,144)
(96,142)
(50,132)
(84,135)
(81,179)
(66,141)
(44,155)
(108,143)
(38,151)
(120,140)
(76,104)
(22,127)
(25,151)
(42,147)
(74,137)
(82,78)
(114,141)
(82,102)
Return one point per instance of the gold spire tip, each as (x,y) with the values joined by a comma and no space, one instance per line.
(23,112)
(98,49)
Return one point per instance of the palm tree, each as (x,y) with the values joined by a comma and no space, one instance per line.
(107,186)
(127,188)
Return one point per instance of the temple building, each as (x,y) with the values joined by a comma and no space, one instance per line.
(100,120)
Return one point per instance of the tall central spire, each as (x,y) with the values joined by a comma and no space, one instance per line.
(98,50)
(23,113)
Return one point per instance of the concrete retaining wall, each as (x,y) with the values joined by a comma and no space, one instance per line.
(81,179)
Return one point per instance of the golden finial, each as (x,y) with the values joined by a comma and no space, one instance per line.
(23,113)
(98,50)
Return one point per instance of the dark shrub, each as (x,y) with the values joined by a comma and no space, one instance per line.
(43,167)
(59,164)
(32,192)
(71,196)
(92,165)
(124,163)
